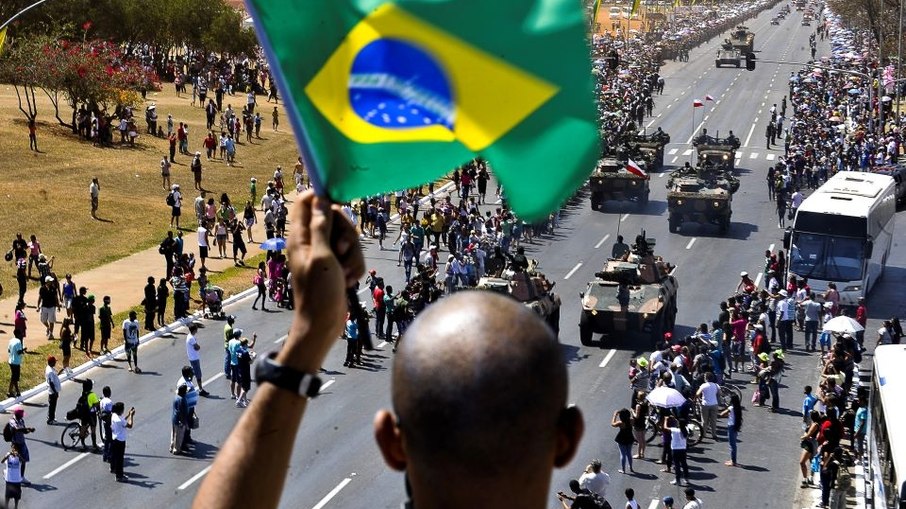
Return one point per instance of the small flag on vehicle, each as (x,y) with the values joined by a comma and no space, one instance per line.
(709,98)
(697,103)
(635,169)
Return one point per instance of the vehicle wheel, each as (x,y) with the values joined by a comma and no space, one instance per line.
(652,430)
(671,317)
(643,201)
(673,224)
(554,322)
(738,64)
(695,431)
(727,390)
(585,332)
(595,201)
(717,64)
(657,332)
(724,226)
(70,436)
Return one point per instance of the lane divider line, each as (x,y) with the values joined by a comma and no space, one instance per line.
(327,384)
(573,271)
(602,241)
(625,217)
(610,354)
(66,465)
(327,498)
(194,478)
(691,241)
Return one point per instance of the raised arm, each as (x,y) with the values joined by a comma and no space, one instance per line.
(250,469)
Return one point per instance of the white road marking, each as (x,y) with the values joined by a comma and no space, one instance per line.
(66,465)
(602,241)
(697,129)
(687,152)
(651,123)
(625,217)
(215,377)
(707,116)
(607,357)
(758,279)
(363,290)
(771,248)
(327,498)
(673,161)
(194,478)
(281,338)
(654,504)
(691,241)
(753,155)
(381,345)
(326,384)
(770,157)
(669,105)
(751,130)
(672,151)
(663,173)
(573,271)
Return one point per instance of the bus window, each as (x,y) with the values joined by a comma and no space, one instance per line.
(826,258)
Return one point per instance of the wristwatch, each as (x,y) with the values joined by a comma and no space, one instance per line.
(269,370)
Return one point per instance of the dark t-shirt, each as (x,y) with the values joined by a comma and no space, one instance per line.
(584,501)
(49,297)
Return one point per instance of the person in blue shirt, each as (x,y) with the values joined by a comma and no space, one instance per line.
(808,404)
(352,337)
(859,426)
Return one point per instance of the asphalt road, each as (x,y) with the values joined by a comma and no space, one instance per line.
(336,463)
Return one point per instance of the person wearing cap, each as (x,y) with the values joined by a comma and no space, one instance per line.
(668,502)
(53,389)
(746,285)
(786,314)
(49,303)
(19,430)
(638,378)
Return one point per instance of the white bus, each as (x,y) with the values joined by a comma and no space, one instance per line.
(886,418)
(842,233)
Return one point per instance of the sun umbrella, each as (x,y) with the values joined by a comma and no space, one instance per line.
(835,118)
(666,397)
(854,91)
(841,324)
(274,244)
(886,99)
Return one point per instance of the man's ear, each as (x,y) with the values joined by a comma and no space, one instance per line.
(389,440)
(570,427)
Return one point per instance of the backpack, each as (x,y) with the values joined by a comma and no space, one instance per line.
(171,200)
(7,433)
(82,410)
(599,501)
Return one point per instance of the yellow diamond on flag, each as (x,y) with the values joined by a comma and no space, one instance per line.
(396,78)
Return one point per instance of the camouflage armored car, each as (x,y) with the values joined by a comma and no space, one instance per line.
(531,288)
(716,151)
(650,148)
(633,296)
(700,195)
(742,39)
(612,181)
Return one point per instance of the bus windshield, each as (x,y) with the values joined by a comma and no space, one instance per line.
(826,258)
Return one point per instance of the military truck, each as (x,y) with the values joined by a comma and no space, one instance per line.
(728,55)
(742,39)
(701,195)
(717,151)
(612,181)
(530,287)
(650,148)
(648,282)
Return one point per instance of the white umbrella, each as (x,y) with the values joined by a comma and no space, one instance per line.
(666,397)
(843,324)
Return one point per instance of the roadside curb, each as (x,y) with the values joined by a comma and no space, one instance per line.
(120,350)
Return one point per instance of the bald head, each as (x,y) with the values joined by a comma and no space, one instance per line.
(479,384)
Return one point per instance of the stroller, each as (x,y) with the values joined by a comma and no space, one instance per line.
(282,294)
(213,300)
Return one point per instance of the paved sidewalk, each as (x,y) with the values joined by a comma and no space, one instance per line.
(123,280)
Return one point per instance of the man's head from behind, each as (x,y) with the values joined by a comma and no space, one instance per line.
(479,394)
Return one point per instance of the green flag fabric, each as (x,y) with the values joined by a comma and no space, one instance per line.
(387,95)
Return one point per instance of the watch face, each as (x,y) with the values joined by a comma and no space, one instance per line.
(314,387)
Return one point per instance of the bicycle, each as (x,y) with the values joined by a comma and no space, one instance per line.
(653,428)
(73,434)
(726,391)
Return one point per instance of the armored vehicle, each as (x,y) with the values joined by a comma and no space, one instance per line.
(701,195)
(650,148)
(635,295)
(531,288)
(742,39)
(612,181)
(728,55)
(716,151)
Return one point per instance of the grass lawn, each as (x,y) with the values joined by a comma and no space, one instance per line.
(47,192)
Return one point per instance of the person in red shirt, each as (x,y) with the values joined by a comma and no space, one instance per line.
(379,311)
(862,318)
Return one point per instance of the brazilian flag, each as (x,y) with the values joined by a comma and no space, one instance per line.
(385,95)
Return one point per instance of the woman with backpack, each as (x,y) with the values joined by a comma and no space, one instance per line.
(733,413)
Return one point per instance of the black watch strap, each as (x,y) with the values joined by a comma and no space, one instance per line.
(267,369)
